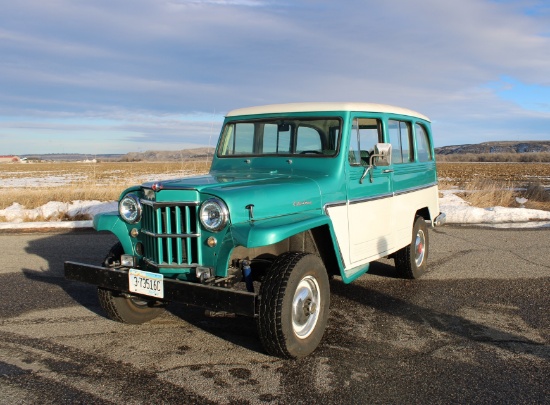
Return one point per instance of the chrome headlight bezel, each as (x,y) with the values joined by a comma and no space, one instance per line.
(130,215)
(214,214)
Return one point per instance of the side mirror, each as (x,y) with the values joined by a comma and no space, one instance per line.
(382,154)
(380,157)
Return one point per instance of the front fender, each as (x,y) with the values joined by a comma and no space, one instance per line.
(110,221)
(270,231)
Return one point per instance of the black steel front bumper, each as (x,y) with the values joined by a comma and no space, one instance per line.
(204,296)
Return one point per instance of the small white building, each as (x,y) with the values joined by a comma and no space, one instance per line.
(9,159)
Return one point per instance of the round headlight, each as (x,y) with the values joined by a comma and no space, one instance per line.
(129,209)
(214,214)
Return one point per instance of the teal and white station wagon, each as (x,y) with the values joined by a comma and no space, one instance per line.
(297,194)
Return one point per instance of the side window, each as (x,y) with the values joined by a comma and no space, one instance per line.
(423,148)
(401,141)
(238,139)
(365,133)
(308,139)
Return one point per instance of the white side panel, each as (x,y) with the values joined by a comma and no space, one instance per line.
(339,217)
(404,208)
(370,230)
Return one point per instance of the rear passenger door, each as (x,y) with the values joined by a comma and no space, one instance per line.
(408,179)
(404,169)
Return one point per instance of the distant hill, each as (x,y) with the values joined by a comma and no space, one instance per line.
(148,156)
(502,147)
(70,157)
(496,147)
(168,156)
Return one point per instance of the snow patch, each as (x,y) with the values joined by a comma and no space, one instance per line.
(17,214)
(457,210)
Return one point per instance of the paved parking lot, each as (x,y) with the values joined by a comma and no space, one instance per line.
(474,330)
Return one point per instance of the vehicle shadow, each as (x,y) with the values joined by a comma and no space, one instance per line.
(397,300)
(55,248)
(90,247)
(383,268)
(238,330)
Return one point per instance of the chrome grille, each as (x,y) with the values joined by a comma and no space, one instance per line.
(170,233)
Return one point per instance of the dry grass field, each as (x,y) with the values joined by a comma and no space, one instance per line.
(35,184)
(492,184)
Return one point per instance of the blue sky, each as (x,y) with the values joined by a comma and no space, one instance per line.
(110,76)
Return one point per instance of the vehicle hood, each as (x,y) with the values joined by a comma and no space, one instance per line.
(271,194)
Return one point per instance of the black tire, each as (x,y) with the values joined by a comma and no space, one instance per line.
(126,308)
(411,261)
(294,305)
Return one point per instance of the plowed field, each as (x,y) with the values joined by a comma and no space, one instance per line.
(512,174)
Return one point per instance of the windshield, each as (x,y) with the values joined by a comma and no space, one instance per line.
(281,137)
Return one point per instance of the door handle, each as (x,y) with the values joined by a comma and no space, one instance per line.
(388,171)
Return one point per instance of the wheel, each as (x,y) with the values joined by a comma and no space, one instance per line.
(122,307)
(411,261)
(294,305)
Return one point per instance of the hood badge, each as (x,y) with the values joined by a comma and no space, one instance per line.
(300,203)
(157,186)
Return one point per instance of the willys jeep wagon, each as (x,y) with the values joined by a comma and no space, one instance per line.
(297,194)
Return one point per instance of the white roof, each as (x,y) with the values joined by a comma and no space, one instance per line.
(312,107)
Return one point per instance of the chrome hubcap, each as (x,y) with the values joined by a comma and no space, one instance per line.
(419,248)
(305,307)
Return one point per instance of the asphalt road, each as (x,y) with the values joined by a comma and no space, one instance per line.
(476,329)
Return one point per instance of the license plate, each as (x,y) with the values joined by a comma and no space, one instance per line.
(146,283)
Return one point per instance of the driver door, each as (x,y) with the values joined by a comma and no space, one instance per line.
(369,200)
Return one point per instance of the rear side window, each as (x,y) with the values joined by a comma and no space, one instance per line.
(401,141)
(423,148)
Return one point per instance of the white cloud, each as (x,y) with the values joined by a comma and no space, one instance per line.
(74,59)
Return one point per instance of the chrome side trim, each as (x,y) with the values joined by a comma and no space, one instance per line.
(334,204)
(372,198)
(412,189)
(377,197)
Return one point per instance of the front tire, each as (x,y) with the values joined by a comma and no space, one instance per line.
(123,307)
(294,305)
(411,261)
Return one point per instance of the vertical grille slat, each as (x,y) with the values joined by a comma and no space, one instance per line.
(158,218)
(178,240)
(170,234)
(188,230)
(168,220)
